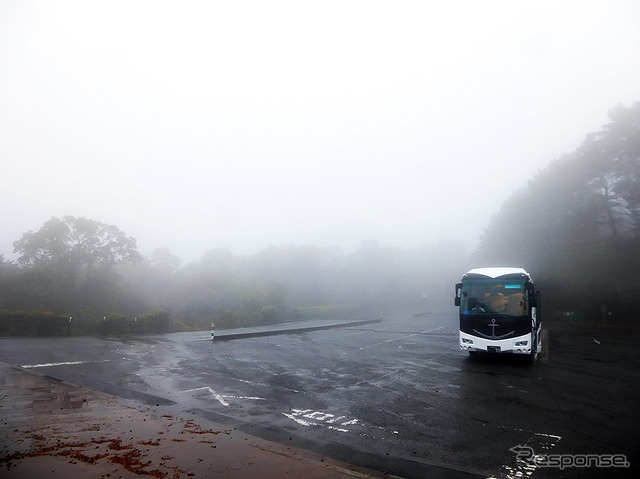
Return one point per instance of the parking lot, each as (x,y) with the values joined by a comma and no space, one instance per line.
(395,396)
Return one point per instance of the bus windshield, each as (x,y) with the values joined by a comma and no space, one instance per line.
(493,296)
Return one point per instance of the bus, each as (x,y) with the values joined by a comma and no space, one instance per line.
(499,312)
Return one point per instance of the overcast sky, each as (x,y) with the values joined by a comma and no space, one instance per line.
(199,125)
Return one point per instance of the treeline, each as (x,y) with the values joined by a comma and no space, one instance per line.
(292,282)
(48,323)
(92,272)
(576,225)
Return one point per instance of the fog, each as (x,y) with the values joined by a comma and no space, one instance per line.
(199,125)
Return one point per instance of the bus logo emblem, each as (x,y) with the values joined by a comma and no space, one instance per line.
(493,325)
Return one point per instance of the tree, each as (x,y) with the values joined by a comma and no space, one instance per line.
(163,259)
(75,240)
(70,262)
(576,224)
(618,182)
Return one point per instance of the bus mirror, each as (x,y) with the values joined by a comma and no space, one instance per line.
(458,293)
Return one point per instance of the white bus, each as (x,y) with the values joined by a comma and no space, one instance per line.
(499,312)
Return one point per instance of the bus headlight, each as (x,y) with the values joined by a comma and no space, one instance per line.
(467,341)
(521,343)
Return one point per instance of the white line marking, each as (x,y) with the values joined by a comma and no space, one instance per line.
(319,418)
(403,337)
(196,389)
(245,397)
(348,423)
(250,382)
(338,429)
(262,384)
(298,420)
(219,398)
(215,394)
(67,363)
(222,397)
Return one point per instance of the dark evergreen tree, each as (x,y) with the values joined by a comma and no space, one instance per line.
(576,225)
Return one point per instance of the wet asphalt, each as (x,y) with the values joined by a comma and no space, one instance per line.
(396,396)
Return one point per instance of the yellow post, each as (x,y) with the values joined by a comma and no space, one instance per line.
(212,331)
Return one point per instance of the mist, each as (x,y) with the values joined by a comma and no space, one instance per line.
(180,178)
(206,125)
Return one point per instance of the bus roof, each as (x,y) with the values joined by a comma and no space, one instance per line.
(498,272)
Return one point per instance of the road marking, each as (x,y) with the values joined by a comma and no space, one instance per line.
(298,420)
(250,382)
(221,398)
(67,363)
(244,397)
(402,337)
(215,394)
(377,378)
(308,417)
(266,385)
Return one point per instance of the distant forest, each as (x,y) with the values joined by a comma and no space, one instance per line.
(80,276)
(575,227)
